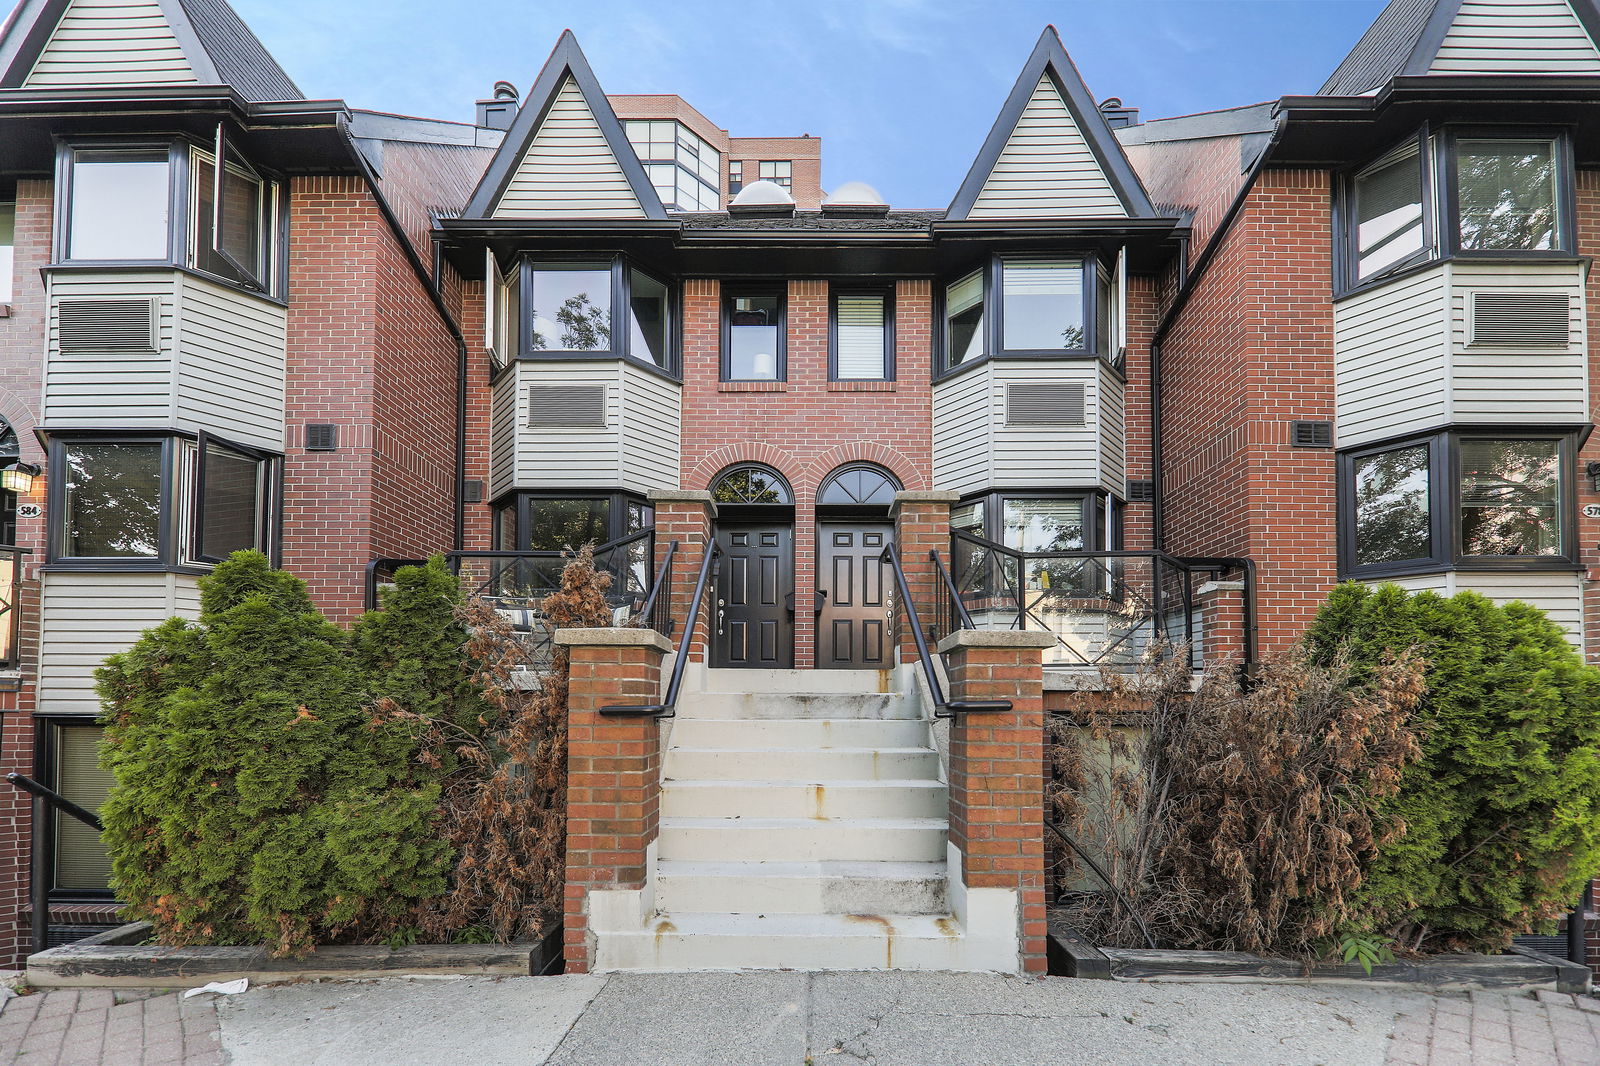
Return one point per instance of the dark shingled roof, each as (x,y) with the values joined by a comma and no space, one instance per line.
(240,58)
(1382,52)
(811,221)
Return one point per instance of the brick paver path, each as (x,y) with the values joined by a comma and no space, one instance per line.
(89,1027)
(1500,1029)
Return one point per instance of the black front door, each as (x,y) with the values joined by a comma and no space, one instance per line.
(853,629)
(753,615)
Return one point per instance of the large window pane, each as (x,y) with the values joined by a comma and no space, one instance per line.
(963,316)
(1392,507)
(555,525)
(1507,194)
(572,309)
(81,863)
(1045,526)
(1042,304)
(230,502)
(861,338)
(113,500)
(753,323)
(647,310)
(8,235)
(119,205)
(1388,212)
(1511,497)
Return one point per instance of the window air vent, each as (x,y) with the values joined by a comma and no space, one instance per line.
(566,405)
(1141,490)
(1520,319)
(472,492)
(106,325)
(1312,434)
(322,437)
(1040,404)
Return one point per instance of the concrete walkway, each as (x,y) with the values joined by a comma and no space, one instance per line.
(796,1019)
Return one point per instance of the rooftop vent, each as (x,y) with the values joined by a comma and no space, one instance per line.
(1117,115)
(855,198)
(496,113)
(763,199)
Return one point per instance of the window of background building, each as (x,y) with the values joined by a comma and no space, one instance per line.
(778,171)
(8,240)
(735,175)
(685,170)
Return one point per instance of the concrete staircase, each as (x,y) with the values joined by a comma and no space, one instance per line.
(803,826)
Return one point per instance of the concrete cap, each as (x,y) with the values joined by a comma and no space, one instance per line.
(680,496)
(616,638)
(926,496)
(997,638)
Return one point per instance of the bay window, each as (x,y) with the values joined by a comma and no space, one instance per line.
(1506,194)
(158,501)
(1042,307)
(1461,499)
(1033,306)
(554,308)
(963,320)
(120,204)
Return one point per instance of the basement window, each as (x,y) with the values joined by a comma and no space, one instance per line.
(80,868)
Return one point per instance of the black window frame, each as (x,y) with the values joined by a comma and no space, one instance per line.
(274,283)
(177,499)
(1444,491)
(1096,273)
(525,264)
(521,501)
(725,328)
(886,293)
(260,277)
(1347,241)
(1097,503)
(271,474)
(1564,245)
(47,760)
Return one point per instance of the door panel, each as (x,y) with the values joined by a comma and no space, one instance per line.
(854,625)
(753,625)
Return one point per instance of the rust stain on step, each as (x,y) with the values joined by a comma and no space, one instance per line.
(819,794)
(888,934)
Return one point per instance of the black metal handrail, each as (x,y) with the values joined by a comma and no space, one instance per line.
(942,707)
(45,797)
(657,610)
(959,619)
(669,704)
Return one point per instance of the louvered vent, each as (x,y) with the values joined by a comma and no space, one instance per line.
(1041,404)
(322,437)
(1140,490)
(106,325)
(566,405)
(1520,319)
(1307,434)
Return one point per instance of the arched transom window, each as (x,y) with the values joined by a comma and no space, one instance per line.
(858,485)
(751,483)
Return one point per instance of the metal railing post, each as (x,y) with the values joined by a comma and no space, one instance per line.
(39,874)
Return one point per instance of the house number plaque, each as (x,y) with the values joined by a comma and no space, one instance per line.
(1590,510)
(29,510)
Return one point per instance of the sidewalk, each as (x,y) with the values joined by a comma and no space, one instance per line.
(796,1019)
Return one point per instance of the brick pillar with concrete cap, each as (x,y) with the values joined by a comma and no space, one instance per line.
(687,517)
(1219,608)
(921,525)
(613,775)
(997,776)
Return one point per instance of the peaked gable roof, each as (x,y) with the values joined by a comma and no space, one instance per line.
(1051,153)
(1412,37)
(565,155)
(86,43)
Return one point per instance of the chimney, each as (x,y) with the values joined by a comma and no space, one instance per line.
(497,113)
(1118,116)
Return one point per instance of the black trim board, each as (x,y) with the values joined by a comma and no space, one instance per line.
(1050,58)
(566,59)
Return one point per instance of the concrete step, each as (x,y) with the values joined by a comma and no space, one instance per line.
(802,839)
(759,703)
(675,941)
(800,733)
(805,765)
(798,681)
(801,887)
(909,798)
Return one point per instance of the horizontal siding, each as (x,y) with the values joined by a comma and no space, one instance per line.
(1113,436)
(111,42)
(503,434)
(569,170)
(652,434)
(1390,363)
(231,364)
(108,389)
(1557,594)
(1047,169)
(85,617)
(1516,36)
(569,457)
(962,431)
(1046,456)
(1519,385)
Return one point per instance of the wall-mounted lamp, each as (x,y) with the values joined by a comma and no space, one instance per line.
(19,477)
(1593,470)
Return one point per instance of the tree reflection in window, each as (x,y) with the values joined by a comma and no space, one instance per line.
(1510,497)
(113,500)
(1392,506)
(1507,194)
(581,321)
(858,485)
(751,484)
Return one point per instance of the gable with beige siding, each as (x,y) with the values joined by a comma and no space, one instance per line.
(111,42)
(1516,36)
(1047,169)
(569,170)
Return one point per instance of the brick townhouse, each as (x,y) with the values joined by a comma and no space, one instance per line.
(1139,384)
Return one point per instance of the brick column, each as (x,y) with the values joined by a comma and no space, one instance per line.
(997,774)
(921,525)
(1219,608)
(613,772)
(688,518)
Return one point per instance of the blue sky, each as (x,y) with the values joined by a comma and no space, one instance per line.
(901,91)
